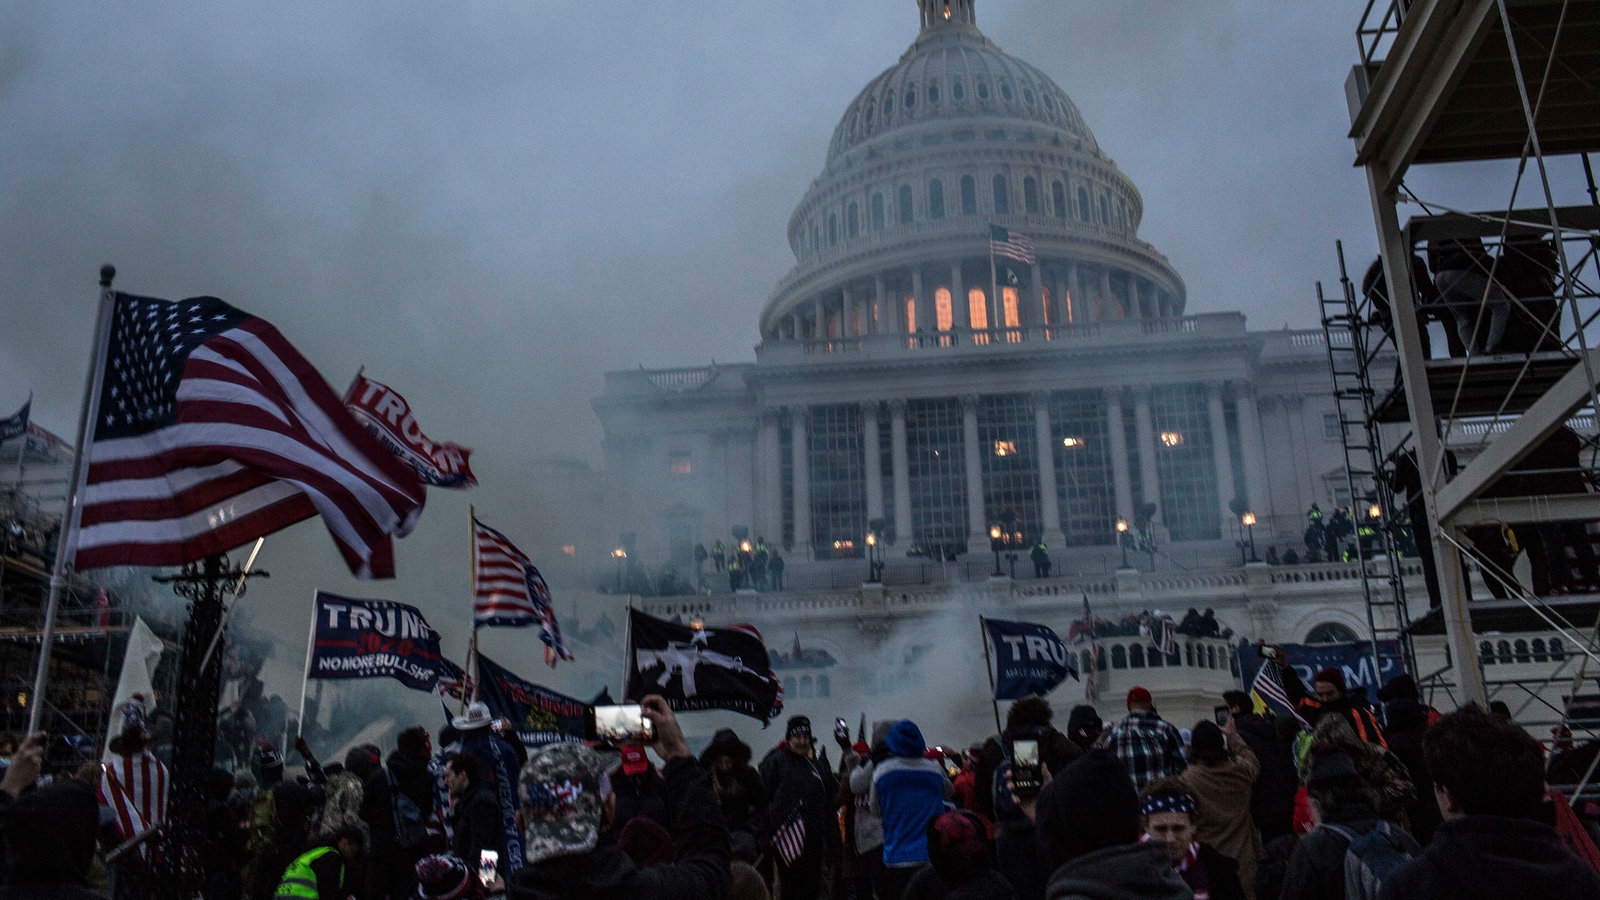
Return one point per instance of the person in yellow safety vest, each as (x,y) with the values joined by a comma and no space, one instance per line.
(319,873)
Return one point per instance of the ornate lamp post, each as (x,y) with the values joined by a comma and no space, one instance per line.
(1122,540)
(872,566)
(994,544)
(620,554)
(1249,521)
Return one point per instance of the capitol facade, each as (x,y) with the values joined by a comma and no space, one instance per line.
(954,406)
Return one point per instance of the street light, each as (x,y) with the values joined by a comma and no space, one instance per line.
(872,568)
(619,555)
(1249,520)
(994,544)
(1374,511)
(1122,540)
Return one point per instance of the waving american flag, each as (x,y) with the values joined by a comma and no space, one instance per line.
(509,591)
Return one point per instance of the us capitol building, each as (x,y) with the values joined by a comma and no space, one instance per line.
(912,386)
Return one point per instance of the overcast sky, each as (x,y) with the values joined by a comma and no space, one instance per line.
(491,204)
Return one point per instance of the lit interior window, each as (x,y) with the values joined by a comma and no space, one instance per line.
(681,465)
(569,550)
(942,310)
(1005,448)
(1171,438)
(1072,442)
(978,309)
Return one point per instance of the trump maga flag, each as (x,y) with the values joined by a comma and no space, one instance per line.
(388,416)
(211,430)
(701,668)
(353,638)
(1028,659)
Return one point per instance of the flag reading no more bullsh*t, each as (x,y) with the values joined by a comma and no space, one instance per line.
(701,668)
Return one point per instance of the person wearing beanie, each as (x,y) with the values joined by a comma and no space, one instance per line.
(739,790)
(568,807)
(1148,745)
(1330,695)
(1220,777)
(1089,837)
(1345,810)
(1494,842)
(1084,726)
(908,791)
(958,863)
(445,878)
(799,784)
(1167,813)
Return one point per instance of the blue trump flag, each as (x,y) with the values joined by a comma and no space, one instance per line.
(1026,658)
(539,715)
(17,425)
(1353,659)
(352,638)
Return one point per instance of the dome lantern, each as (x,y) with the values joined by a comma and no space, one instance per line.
(942,13)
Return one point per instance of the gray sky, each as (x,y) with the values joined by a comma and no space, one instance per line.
(490,204)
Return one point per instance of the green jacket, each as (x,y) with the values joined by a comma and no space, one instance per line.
(317,874)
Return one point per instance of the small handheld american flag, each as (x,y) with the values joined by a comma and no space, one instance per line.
(790,838)
(1268,686)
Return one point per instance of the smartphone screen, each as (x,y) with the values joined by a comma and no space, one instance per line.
(488,866)
(1025,774)
(619,724)
(1221,714)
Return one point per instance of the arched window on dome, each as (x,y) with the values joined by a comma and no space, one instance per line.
(978,310)
(905,204)
(1030,195)
(958,90)
(1058,198)
(1105,211)
(935,199)
(969,195)
(888,108)
(1005,91)
(1002,196)
(1122,213)
(852,220)
(877,212)
(983,90)
(911,98)
(1083,203)
(1013,321)
(933,94)
(833,229)
(944,316)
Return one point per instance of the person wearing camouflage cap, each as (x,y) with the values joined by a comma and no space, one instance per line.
(567,805)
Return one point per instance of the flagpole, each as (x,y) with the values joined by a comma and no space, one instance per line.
(627,648)
(995,318)
(80,467)
(988,666)
(305,676)
(471,668)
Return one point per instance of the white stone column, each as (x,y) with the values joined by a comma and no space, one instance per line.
(1252,450)
(1221,458)
(770,517)
(1044,443)
(847,313)
(920,306)
(1144,432)
(799,435)
(1082,308)
(902,474)
(972,457)
(961,313)
(872,451)
(1117,432)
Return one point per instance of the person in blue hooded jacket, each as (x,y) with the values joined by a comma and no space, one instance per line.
(908,791)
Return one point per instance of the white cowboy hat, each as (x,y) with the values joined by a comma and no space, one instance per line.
(476,716)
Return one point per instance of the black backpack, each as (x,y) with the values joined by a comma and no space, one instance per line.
(410,826)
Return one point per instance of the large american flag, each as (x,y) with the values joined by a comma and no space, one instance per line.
(510,591)
(1268,685)
(212,430)
(1011,245)
(134,786)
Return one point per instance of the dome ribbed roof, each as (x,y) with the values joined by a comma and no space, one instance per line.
(954,72)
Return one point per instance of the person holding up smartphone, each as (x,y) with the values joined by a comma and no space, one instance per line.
(567,804)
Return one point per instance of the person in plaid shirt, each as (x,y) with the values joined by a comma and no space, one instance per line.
(1148,745)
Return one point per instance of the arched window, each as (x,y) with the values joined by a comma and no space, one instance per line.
(807,686)
(1211,658)
(852,220)
(1049,309)
(983,90)
(933,94)
(1002,197)
(1005,91)
(888,108)
(823,688)
(1557,652)
(1538,650)
(1105,213)
(1155,658)
(1058,199)
(1522,651)
(833,229)
(911,315)
(1008,299)
(958,91)
(1030,195)
(1330,633)
(935,199)
(911,98)
(1486,652)
(1188,654)
(1083,203)
(1503,648)
(1172,658)
(969,196)
(978,311)
(1083,662)
(788,685)
(905,204)
(877,212)
(1136,656)
(943,313)
(1119,657)
(1101,661)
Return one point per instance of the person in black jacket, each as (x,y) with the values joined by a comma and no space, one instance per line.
(739,790)
(798,782)
(567,806)
(474,814)
(1488,777)
(49,832)
(392,872)
(1408,721)
(1272,800)
(1346,810)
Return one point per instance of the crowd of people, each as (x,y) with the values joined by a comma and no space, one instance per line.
(1337,800)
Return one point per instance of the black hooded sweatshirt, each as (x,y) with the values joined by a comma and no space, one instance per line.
(1493,857)
(49,836)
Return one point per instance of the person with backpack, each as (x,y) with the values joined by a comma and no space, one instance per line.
(1351,851)
(397,805)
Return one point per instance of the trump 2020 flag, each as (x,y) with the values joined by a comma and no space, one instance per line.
(701,668)
(388,416)
(211,430)
(1028,659)
(353,638)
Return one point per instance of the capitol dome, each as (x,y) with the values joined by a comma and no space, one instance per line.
(956,140)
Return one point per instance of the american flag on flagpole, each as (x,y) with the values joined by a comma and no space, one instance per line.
(509,591)
(211,430)
(1011,245)
(1268,685)
(1162,631)
(790,838)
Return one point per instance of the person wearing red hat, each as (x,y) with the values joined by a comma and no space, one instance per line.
(1148,745)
